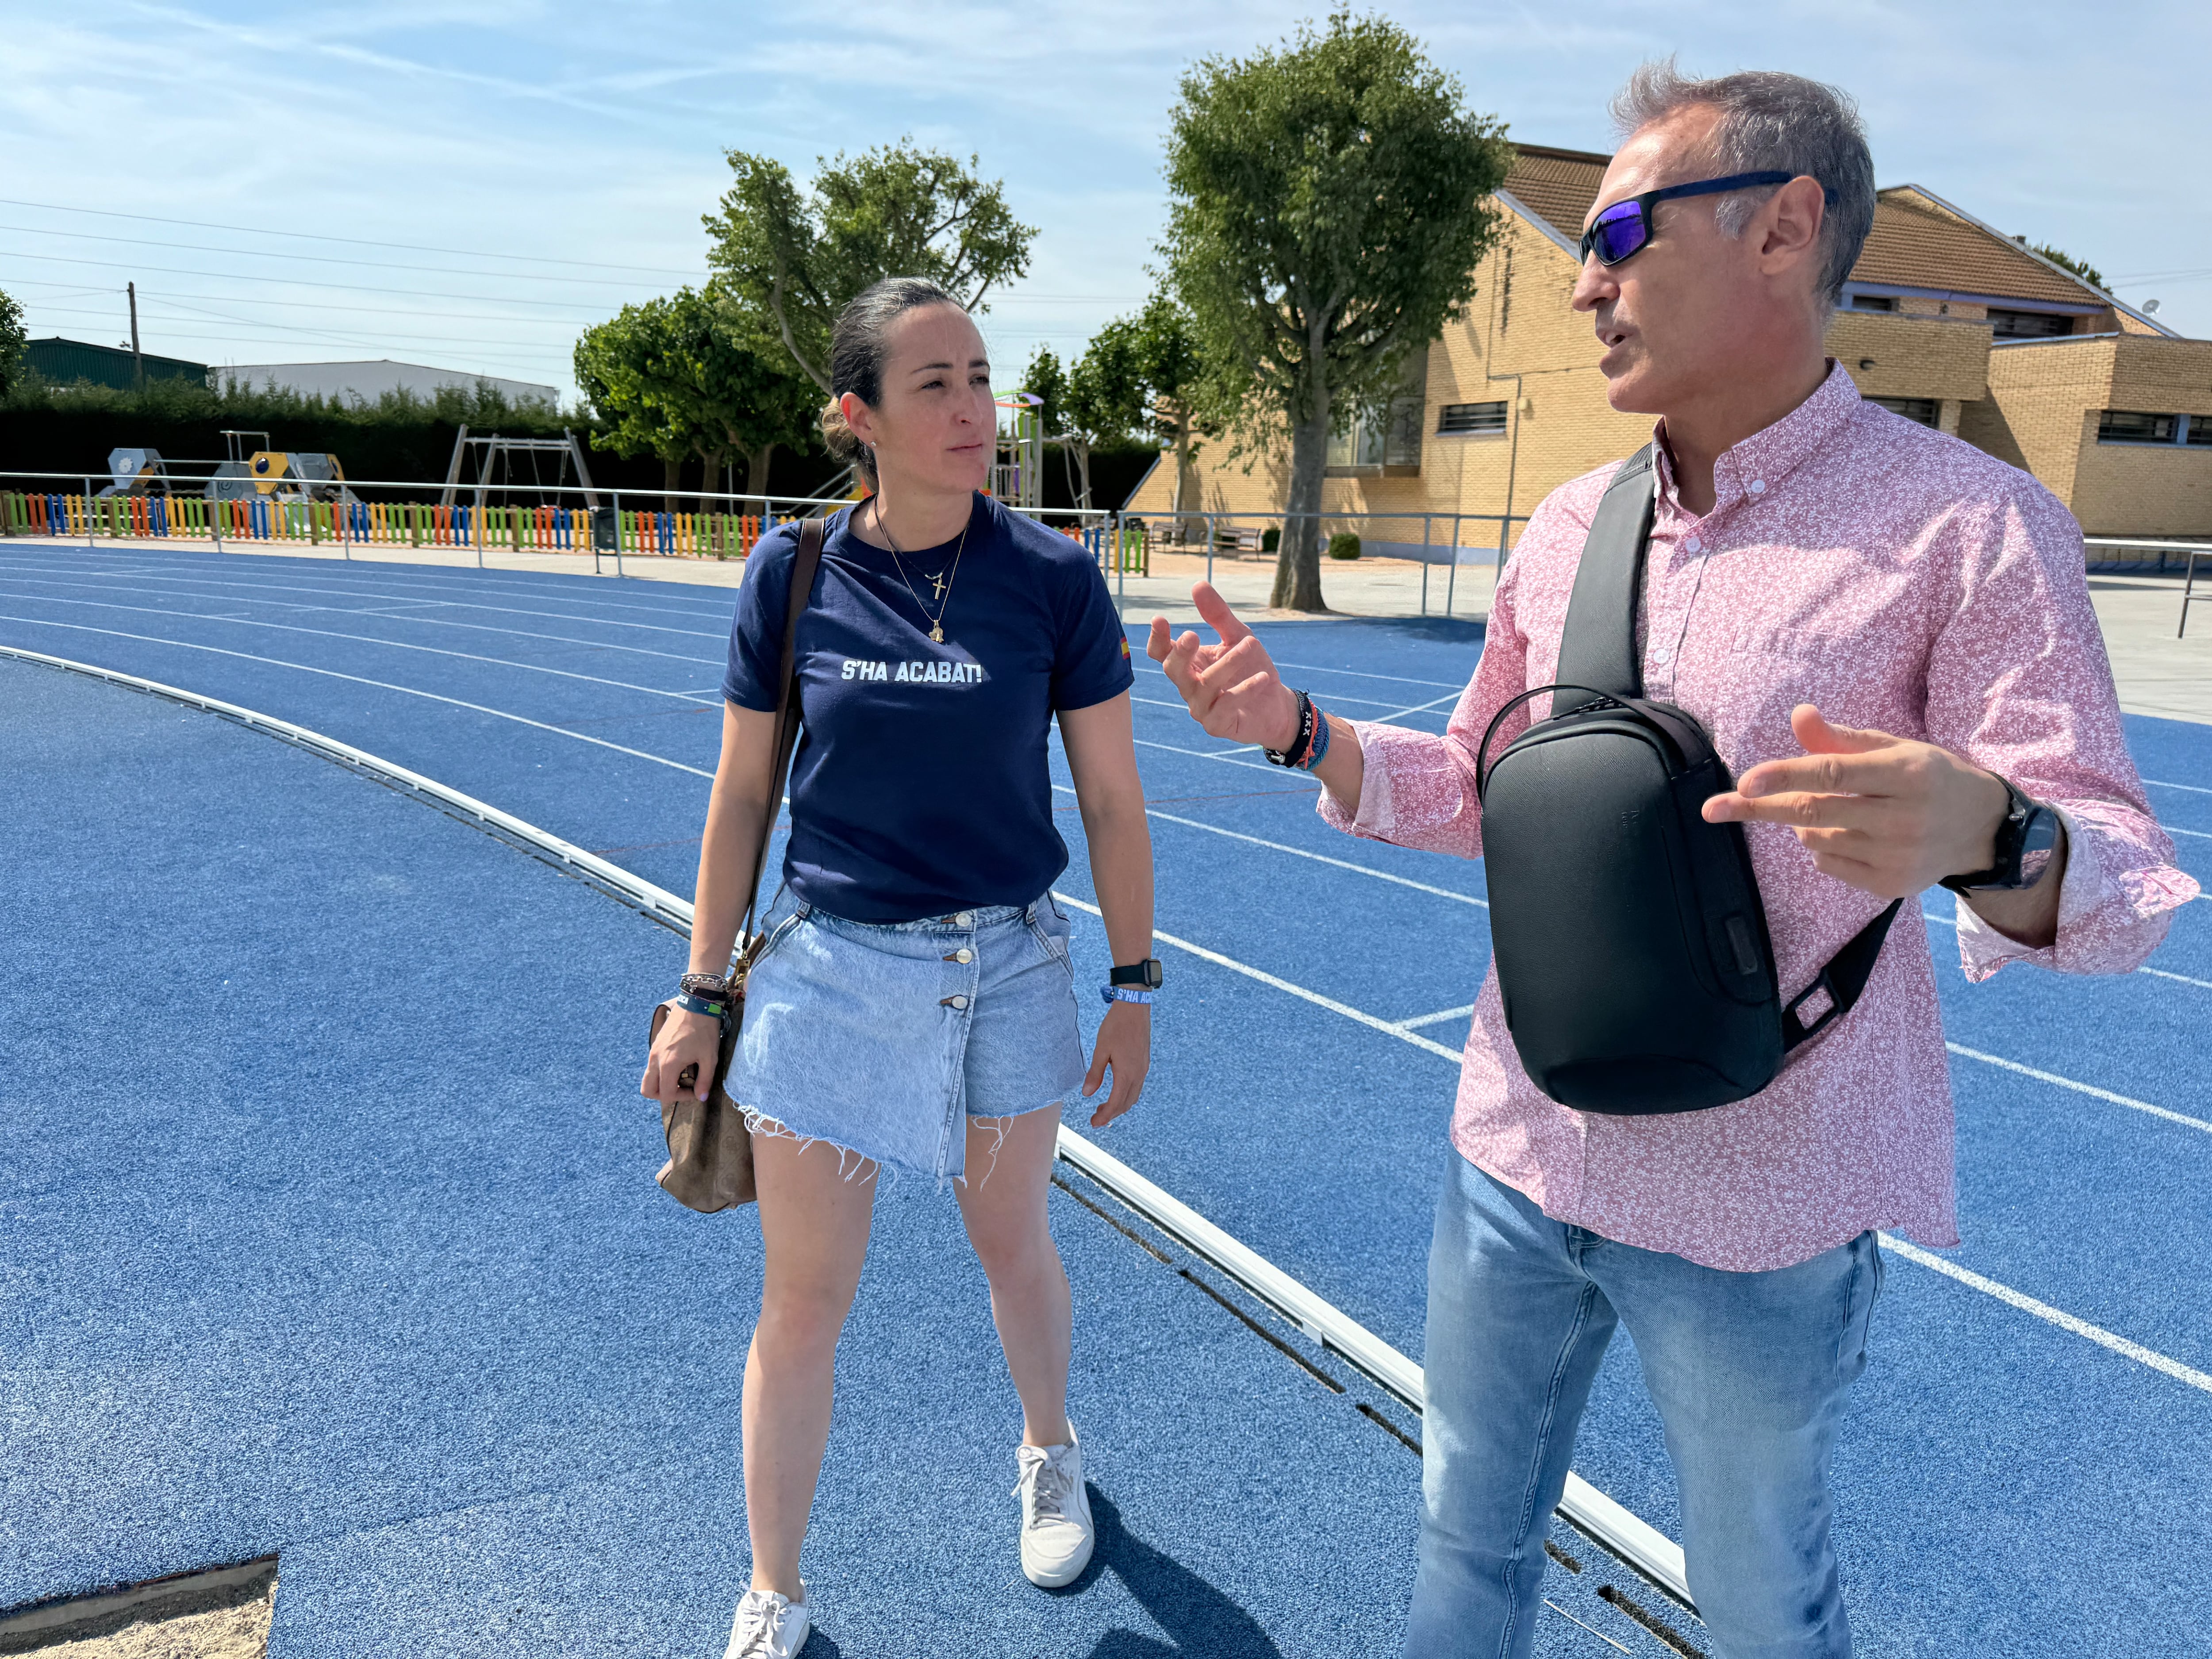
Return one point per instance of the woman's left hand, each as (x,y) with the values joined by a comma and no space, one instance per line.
(1125,1042)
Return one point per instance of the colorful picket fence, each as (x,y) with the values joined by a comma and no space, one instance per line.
(408,524)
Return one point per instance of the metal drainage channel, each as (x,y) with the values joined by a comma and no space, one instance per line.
(1619,1531)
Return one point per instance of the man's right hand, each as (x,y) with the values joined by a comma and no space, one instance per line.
(1232,688)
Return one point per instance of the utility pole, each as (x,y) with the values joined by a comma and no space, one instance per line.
(137,357)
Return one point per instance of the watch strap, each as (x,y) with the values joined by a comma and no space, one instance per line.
(1146,974)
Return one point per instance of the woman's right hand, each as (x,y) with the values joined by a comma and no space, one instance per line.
(681,1064)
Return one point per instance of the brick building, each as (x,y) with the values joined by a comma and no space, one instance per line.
(1944,320)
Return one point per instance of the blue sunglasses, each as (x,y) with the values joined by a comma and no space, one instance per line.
(1626,227)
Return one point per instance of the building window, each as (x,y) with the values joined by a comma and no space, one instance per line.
(1873,302)
(1386,441)
(2027,325)
(2128,426)
(1923,409)
(1470,419)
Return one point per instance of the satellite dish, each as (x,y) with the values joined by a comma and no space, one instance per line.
(2149,305)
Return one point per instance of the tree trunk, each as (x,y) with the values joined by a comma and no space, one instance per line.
(671,477)
(1185,484)
(1297,561)
(1083,465)
(757,469)
(710,481)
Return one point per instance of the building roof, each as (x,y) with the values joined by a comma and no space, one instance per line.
(372,378)
(1558,185)
(65,361)
(1918,239)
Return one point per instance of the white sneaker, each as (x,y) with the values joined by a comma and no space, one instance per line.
(1057,1531)
(769,1626)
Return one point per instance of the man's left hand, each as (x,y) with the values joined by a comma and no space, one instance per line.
(1883,813)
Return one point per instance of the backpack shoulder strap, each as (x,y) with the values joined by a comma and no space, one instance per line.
(1599,647)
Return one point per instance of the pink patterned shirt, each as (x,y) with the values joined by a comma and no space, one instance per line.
(1900,579)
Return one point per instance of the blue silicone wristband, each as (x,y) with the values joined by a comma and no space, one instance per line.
(1124,993)
(698,1005)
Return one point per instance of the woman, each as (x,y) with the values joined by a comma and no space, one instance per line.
(914,1004)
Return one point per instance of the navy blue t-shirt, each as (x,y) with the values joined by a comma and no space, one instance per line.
(920,787)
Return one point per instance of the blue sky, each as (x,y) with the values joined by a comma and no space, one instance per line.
(584,142)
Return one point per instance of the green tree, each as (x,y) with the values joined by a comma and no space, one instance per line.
(11,342)
(1149,370)
(1329,205)
(627,368)
(895,211)
(2082,268)
(692,374)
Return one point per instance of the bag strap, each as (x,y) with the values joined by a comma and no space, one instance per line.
(1598,648)
(1843,978)
(803,567)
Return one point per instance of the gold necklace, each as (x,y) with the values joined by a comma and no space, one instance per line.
(943,584)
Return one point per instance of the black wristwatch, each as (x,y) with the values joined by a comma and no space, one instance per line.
(1146,974)
(2027,837)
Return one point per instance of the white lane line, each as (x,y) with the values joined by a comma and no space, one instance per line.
(1299,991)
(1323,858)
(1437,1019)
(418,619)
(428,575)
(1592,1629)
(1230,757)
(2003,1292)
(1334,696)
(2079,1089)
(2194,834)
(1300,852)
(370,639)
(2156,973)
(454,605)
(2090,1089)
(1421,708)
(2059,1316)
(357,679)
(2193,788)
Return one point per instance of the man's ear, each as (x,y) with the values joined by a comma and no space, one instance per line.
(1790,224)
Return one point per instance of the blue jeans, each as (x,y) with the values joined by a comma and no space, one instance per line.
(1749,1371)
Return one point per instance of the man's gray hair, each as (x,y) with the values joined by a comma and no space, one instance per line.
(1770,122)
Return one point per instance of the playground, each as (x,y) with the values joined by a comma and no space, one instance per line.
(333,1258)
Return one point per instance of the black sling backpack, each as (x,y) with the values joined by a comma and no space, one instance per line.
(1631,945)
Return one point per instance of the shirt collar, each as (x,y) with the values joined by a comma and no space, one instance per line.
(1773,453)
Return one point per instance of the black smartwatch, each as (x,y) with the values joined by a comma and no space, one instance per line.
(2026,840)
(1146,974)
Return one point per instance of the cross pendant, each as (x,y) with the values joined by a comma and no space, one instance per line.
(938,582)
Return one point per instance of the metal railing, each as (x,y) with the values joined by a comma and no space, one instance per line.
(2192,550)
(1246,530)
(563,518)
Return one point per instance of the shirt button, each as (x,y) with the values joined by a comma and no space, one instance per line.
(1693,545)
(964,955)
(965,919)
(960,1002)
(1662,654)
(1758,486)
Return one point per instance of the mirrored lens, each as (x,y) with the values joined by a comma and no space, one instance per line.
(1617,233)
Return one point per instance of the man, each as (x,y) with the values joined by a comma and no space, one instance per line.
(1883,627)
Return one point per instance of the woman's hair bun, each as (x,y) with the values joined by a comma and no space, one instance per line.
(843,442)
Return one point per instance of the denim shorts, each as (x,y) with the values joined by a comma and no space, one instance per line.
(883,1039)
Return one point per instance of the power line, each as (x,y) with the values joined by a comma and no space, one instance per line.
(318,258)
(335,305)
(288,281)
(349,241)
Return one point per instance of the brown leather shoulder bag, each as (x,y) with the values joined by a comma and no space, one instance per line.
(710,1153)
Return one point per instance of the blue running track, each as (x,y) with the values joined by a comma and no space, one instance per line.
(318,1249)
